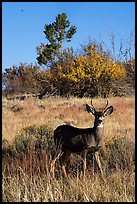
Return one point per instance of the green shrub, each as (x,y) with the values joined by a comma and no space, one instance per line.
(118,154)
(34,136)
(31,151)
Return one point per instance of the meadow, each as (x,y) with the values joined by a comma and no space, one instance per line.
(27,149)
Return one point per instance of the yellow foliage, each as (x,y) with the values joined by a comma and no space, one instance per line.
(93,70)
(95,67)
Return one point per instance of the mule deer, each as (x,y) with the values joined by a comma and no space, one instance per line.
(70,139)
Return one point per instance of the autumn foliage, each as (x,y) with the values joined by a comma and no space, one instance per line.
(92,72)
(21,79)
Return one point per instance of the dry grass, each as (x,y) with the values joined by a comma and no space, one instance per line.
(119,188)
(29,174)
(56,111)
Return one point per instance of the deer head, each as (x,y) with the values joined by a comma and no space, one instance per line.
(99,115)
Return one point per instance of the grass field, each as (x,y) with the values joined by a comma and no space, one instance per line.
(27,133)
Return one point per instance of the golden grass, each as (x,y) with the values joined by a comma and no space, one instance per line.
(23,188)
(54,111)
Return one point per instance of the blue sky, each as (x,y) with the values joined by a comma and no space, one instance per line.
(22,31)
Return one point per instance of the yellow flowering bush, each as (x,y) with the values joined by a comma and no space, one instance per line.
(93,73)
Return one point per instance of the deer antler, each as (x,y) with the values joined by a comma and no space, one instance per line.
(106,105)
(92,105)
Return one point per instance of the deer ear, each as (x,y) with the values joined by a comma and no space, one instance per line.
(108,111)
(90,109)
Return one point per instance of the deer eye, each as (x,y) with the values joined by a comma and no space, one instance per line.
(100,118)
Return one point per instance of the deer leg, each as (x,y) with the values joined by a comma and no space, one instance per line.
(64,170)
(56,156)
(84,163)
(63,160)
(52,166)
(99,163)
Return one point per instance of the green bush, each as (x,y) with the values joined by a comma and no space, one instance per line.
(34,136)
(118,154)
(31,151)
(30,138)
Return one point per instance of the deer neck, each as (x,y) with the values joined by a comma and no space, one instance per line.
(98,132)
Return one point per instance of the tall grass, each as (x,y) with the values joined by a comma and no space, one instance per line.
(28,149)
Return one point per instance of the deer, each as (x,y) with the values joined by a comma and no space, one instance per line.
(69,139)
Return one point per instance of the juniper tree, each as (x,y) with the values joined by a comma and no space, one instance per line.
(56,33)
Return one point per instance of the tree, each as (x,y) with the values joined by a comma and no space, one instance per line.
(56,33)
(21,79)
(129,87)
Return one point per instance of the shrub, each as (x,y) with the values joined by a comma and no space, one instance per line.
(92,73)
(31,150)
(36,137)
(118,154)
